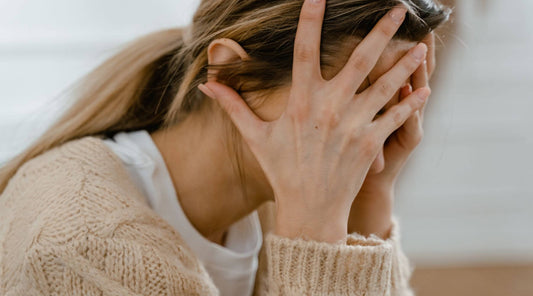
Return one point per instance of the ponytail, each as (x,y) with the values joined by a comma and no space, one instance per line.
(129,91)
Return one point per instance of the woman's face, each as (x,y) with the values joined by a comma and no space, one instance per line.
(273,106)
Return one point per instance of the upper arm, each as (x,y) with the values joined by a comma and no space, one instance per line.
(113,267)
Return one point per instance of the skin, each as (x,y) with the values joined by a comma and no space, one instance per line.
(205,160)
(371,211)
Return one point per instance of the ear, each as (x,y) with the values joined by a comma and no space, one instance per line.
(223,51)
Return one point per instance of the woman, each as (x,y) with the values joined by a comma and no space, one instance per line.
(148,187)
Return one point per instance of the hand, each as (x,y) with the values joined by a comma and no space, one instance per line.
(371,212)
(318,152)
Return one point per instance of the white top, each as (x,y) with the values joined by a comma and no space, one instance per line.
(233,266)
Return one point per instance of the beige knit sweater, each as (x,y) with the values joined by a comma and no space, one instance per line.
(73,223)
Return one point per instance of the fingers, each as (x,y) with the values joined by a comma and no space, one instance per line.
(367,53)
(406,91)
(429,40)
(411,131)
(244,119)
(388,84)
(420,76)
(419,80)
(306,64)
(396,116)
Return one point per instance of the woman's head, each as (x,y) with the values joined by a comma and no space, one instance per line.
(266,31)
(250,47)
(153,83)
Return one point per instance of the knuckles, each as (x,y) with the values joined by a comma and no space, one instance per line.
(369,145)
(418,136)
(385,88)
(366,141)
(231,109)
(397,117)
(299,111)
(387,29)
(310,15)
(417,140)
(303,53)
(412,64)
(329,117)
(362,63)
(302,108)
(415,137)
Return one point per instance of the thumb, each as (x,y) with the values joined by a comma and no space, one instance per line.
(234,105)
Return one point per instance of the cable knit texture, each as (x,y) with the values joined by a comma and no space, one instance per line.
(73,223)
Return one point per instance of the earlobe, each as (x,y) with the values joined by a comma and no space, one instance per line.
(224,51)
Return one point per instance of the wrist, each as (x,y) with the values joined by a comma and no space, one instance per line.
(372,214)
(377,189)
(322,224)
(380,227)
(327,231)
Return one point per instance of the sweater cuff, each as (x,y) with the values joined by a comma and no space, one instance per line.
(300,267)
(402,268)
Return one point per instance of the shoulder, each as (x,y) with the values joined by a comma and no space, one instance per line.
(75,186)
(75,179)
(75,206)
(78,166)
(78,187)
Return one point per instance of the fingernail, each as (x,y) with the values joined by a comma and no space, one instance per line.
(315,1)
(419,52)
(206,90)
(398,14)
(423,93)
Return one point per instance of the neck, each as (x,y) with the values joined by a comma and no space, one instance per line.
(203,173)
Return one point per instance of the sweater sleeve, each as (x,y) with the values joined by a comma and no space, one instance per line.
(362,266)
(402,268)
(111,267)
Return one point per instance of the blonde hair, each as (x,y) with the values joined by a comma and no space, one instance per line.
(152,83)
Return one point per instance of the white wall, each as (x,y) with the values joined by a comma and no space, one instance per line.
(465,196)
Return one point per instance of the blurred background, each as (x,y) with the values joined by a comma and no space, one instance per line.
(465,201)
